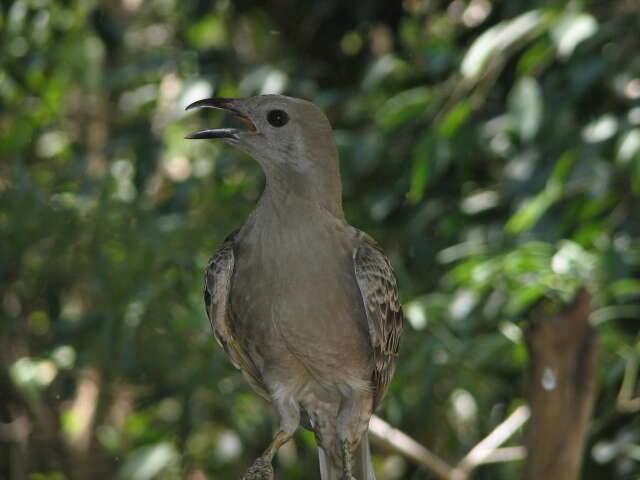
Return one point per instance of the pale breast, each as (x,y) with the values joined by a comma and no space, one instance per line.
(295,296)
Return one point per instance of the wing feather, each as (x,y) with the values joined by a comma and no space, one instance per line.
(217,286)
(379,291)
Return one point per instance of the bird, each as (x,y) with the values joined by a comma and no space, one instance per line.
(305,305)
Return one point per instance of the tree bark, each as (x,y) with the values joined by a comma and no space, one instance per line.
(563,350)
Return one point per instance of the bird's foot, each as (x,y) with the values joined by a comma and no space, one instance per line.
(260,470)
(345,477)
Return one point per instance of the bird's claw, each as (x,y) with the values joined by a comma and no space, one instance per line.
(260,470)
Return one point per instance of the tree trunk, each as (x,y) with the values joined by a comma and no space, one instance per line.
(563,350)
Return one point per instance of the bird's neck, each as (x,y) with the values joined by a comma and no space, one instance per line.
(290,197)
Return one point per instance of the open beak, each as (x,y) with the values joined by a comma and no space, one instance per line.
(228,105)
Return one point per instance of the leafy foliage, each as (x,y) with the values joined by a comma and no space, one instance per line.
(492,147)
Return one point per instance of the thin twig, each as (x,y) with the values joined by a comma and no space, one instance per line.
(497,437)
(486,451)
(391,438)
(625,401)
(506,454)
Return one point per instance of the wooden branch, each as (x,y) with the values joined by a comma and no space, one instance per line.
(486,451)
(83,410)
(506,454)
(561,389)
(393,439)
(626,401)
(486,447)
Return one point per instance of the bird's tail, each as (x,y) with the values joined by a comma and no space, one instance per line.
(362,465)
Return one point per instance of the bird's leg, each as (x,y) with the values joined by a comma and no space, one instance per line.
(279,439)
(289,414)
(262,468)
(345,446)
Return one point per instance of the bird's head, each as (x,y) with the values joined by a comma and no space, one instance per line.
(290,138)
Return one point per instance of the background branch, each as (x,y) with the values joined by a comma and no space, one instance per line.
(486,451)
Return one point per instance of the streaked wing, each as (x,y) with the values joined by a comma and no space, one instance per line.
(379,290)
(217,286)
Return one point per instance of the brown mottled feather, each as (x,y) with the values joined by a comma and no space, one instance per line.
(379,290)
(217,285)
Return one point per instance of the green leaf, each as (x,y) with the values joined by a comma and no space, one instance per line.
(423,157)
(635,179)
(571,29)
(521,299)
(626,289)
(210,32)
(529,214)
(525,106)
(536,56)
(403,108)
(47,476)
(456,117)
(497,40)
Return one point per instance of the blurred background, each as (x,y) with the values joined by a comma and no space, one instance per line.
(492,147)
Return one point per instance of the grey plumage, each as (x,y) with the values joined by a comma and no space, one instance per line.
(305,305)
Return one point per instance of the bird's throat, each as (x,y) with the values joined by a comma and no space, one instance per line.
(302,198)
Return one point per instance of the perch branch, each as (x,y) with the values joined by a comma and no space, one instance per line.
(393,439)
(487,446)
(486,451)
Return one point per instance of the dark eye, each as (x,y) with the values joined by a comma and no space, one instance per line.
(277,118)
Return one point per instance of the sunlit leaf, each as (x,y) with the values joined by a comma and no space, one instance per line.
(416,315)
(572,29)
(145,463)
(32,373)
(629,147)
(380,69)
(479,202)
(209,32)
(193,91)
(601,129)
(525,105)
(572,260)
(498,39)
